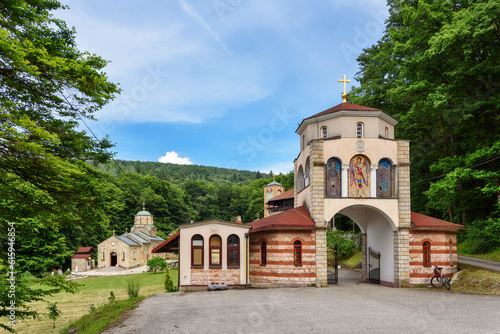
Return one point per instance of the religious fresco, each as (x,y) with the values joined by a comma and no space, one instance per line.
(359,177)
(333,174)
(384,178)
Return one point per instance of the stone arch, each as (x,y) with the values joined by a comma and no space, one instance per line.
(377,231)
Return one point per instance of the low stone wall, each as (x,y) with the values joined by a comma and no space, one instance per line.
(204,276)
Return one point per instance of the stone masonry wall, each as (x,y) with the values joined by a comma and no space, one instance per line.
(205,276)
(401,238)
(440,254)
(280,268)
(317,209)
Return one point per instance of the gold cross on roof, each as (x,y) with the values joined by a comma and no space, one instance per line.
(344,94)
(143,206)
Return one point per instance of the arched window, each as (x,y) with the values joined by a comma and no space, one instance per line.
(384,179)
(333,174)
(324,132)
(307,173)
(297,253)
(360,131)
(215,251)
(197,251)
(359,177)
(263,253)
(303,141)
(426,247)
(233,251)
(300,178)
(123,256)
(386,132)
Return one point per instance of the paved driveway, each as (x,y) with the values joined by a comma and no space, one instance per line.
(350,307)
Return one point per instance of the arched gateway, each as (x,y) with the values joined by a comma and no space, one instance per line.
(363,174)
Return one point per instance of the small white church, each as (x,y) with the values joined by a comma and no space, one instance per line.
(349,163)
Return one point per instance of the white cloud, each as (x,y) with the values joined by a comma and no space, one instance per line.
(174,158)
(280,167)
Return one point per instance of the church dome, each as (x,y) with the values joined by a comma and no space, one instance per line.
(143,213)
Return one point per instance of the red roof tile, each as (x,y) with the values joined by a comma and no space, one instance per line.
(161,248)
(297,218)
(286,195)
(81,256)
(85,250)
(420,221)
(343,106)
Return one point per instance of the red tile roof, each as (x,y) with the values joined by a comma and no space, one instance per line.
(165,245)
(85,250)
(297,218)
(286,195)
(81,256)
(420,221)
(343,106)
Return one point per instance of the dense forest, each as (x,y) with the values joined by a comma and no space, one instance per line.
(436,69)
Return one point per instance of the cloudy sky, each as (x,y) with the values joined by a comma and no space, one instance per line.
(221,82)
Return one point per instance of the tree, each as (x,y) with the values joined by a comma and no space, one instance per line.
(169,284)
(54,313)
(436,70)
(47,88)
(157,263)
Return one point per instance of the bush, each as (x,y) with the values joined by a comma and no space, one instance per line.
(169,284)
(133,289)
(346,245)
(157,263)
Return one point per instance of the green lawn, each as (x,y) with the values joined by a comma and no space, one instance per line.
(94,291)
(493,255)
(353,260)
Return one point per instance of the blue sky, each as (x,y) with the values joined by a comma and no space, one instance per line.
(221,82)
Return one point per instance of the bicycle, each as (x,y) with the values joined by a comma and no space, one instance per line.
(438,281)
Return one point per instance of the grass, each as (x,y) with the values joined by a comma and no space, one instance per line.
(94,291)
(493,255)
(353,260)
(476,280)
(103,316)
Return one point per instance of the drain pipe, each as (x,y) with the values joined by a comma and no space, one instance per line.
(247,262)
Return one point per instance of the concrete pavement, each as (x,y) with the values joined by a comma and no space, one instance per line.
(350,307)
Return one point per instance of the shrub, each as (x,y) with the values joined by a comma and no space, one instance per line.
(157,263)
(133,289)
(346,246)
(169,284)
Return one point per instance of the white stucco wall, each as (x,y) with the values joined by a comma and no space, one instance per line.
(207,229)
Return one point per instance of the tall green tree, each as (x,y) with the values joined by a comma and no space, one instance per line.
(48,86)
(437,70)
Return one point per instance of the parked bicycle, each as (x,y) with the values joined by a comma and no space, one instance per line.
(438,281)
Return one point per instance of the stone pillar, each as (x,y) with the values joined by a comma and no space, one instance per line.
(345,180)
(401,236)
(402,257)
(295,183)
(373,181)
(364,258)
(316,209)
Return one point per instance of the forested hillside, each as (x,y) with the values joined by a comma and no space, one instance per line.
(437,69)
(180,173)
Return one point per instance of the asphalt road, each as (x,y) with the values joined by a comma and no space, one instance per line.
(486,264)
(350,307)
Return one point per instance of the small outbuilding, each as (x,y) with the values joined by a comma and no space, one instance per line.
(212,252)
(83,259)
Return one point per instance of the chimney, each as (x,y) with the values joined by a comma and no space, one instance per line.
(238,220)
